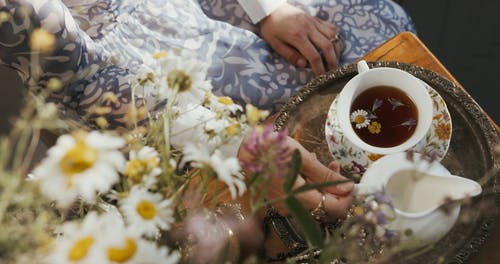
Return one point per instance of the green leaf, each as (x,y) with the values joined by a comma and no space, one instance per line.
(293,172)
(308,225)
(317,186)
(255,180)
(328,254)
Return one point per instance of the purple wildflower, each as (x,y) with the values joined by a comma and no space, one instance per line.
(382,198)
(395,103)
(390,234)
(409,123)
(381,218)
(376,104)
(269,152)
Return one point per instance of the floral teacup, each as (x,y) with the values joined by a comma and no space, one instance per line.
(355,155)
(355,161)
(401,83)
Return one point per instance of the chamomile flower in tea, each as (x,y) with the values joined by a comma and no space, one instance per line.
(384,116)
(360,118)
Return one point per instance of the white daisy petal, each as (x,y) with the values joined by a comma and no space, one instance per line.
(80,165)
(227,170)
(360,118)
(147,212)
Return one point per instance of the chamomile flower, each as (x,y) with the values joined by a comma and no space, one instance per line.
(222,103)
(80,165)
(254,115)
(227,170)
(127,246)
(216,126)
(143,166)
(360,118)
(79,242)
(106,239)
(374,127)
(145,82)
(147,212)
(185,78)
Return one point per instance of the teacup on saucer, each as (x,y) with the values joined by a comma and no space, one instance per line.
(384,110)
(355,160)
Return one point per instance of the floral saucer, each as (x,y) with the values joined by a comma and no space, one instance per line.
(355,161)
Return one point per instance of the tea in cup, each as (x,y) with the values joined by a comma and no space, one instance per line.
(384,110)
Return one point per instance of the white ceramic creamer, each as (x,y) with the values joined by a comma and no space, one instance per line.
(417,189)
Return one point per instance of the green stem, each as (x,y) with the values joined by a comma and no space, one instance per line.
(20,149)
(28,158)
(134,107)
(167,121)
(8,193)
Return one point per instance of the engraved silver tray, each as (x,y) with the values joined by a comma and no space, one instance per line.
(471,153)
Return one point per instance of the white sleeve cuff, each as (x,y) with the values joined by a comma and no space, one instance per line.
(258,9)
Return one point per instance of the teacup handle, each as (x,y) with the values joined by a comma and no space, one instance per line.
(362,66)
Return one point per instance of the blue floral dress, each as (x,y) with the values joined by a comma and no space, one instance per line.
(101,42)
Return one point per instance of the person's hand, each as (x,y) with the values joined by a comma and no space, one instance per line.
(335,205)
(299,38)
(337,199)
(314,171)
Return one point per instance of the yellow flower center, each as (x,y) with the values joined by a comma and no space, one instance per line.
(149,78)
(358,210)
(179,79)
(137,168)
(159,55)
(110,97)
(124,254)
(225,100)
(80,249)
(254,115)
(360,119)
(374,127)
(79,158)
(4,17)
(146,209)
(233,129)
(42,40)
(54,84)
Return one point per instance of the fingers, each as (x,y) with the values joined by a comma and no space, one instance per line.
(318,38)
(289,53)
(315,171)
(308,49)
(329,30)
(337,206)
(333,176)
(334,166)
(323,39)
(334,206)
(301,38)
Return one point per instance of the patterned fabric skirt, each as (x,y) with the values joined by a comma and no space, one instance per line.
(103,41)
